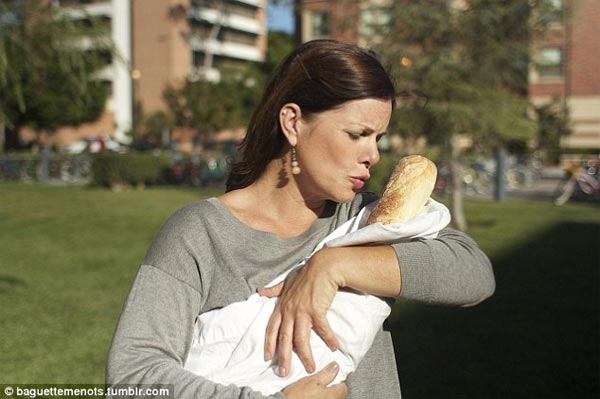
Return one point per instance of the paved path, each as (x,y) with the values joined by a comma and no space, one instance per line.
(544,189)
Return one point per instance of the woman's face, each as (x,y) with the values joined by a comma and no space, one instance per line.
(336,148)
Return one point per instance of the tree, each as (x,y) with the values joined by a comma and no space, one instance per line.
(467,64)
(279,45)
(208,107)
(553,124)
(46,72)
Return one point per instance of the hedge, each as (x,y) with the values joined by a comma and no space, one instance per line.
(110,169)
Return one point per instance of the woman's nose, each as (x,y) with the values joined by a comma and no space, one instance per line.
(371,155)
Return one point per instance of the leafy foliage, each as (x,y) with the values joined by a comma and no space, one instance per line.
(468,64)
(280,44)
(110,169)
(47,66)
(211,106)
(463,67)
(553,123)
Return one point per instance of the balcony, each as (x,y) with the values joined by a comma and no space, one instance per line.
(86,10)
(256,3)
(229,20)
(227,49)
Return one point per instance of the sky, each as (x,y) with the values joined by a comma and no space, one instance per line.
(280,17)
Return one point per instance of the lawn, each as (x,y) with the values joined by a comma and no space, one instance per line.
(538,336)
(68,256)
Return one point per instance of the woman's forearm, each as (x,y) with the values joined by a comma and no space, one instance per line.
(373,270)
(448,270)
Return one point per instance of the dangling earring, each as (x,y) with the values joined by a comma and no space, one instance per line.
(295,167)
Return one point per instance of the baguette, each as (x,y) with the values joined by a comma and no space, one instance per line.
(406,192)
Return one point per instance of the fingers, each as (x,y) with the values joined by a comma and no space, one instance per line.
(315,386)
(293,319)
(326,377)
(323,329)
(284,346)
(302,331)
(272,334)
(339,390)
(283,336)
(271,292)
(327,374)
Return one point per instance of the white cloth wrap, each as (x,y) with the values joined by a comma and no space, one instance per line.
(228,345)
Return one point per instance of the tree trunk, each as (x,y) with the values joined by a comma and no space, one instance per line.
(44,168)
(11,138)
(500,184)
(456,199)
(2,137)
(298,22)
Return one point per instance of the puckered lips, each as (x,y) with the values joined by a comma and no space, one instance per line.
(359,181)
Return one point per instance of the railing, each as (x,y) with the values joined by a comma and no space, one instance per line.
(479,177)
(194,170)
(67,169)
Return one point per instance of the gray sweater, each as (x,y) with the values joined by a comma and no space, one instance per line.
(204,258)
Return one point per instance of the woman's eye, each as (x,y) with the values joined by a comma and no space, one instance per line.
(354,136)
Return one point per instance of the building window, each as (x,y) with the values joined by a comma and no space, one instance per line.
(232,36)
(557,5)
(240,9)
(374,21)
(198,58)
(319,24)
(549,62)
(553,12)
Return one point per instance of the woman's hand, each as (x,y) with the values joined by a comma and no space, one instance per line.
(315,386)
(305,298)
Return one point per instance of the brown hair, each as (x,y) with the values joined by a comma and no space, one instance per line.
(319,75)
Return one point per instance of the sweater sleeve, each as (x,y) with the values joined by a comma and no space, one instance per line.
(153,336)
(156,327)
(448,270)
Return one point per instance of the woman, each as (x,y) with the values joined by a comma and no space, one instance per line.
(306,156)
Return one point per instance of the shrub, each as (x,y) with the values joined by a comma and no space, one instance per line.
(110,169)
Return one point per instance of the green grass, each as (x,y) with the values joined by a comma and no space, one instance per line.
(538,336)
(68,256)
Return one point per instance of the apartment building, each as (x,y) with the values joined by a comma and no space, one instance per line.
(567,67)
(165,42)
(192,39)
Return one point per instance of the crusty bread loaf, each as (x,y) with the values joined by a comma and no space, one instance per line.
(406,191)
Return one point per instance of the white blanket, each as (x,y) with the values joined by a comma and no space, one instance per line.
(228,345)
